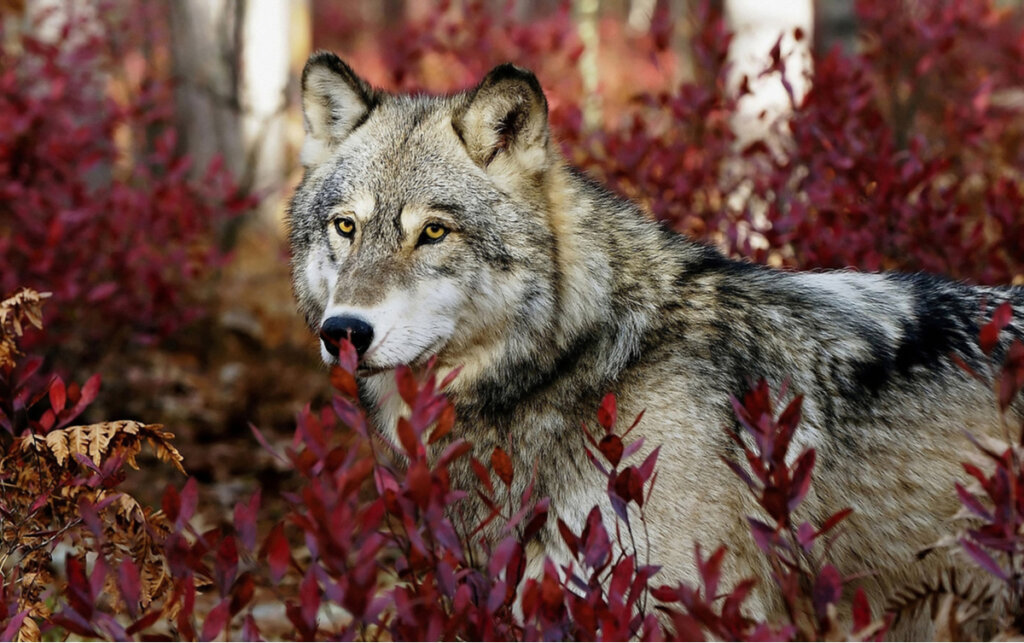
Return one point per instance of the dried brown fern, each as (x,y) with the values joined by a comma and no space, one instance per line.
(24,306)
(951,604)
(46,483)
(123,438)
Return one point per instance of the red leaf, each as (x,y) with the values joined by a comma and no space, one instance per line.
(502,466)
(791,416)
(408,387)
(774,502)
(740,473)
(15,625)
(764,535)
(982,557)
(971,502)
(501,556)
(279,554)
(250,632)
(408,438)
(834,520)
(622,575)
(632,447)
(128,583)
(733,602)
(226,566)
(710,570)
(1011,380)
(266,445)
(90,390)
(189,499)
(801,479)
(539,519)
(629,486)
(607,413)
(73,625)
(665,594)
(453,452)
(570,539)
(647,467)
(419,483)
(596,546)
(144,622)
(344,381)
(805,535)
(242,592)
(449,378)
(245,520)
(216,620)
(482,475)
(79,592)
(611,447)
(827,589)
(171,503)
(989,335)
(632,426)
(58,395)
(348,357)
(101,291)
(861,610)
(309,598)
(444,424)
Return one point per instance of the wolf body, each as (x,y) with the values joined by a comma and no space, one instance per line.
(451,226)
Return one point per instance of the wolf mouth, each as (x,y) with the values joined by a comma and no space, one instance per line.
(369,370)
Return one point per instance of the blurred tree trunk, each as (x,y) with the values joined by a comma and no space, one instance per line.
(762,114)
(232,61)
(836,25)
(206,43)
(758,26)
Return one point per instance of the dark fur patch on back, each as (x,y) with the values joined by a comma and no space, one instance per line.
(942,324)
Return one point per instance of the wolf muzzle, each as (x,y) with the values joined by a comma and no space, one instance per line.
(355,330)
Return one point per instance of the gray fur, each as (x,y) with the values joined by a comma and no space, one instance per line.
(558,291)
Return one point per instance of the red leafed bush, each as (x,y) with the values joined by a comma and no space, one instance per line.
(993,499)
(387,552)
(375,544)
(96,205)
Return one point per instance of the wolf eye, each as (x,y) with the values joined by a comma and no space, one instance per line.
(345,226)
(432,233)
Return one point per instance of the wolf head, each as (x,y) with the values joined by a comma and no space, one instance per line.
(418,228)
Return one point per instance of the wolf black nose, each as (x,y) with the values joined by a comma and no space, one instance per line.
(353,329)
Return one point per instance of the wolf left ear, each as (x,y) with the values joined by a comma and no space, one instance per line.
(334,102)
(506,114)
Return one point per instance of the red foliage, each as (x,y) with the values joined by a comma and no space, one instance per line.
(807,583)
(383,538)
(995,498)
(96,204)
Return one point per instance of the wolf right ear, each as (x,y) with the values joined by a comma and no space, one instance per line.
(506,115)
(334,102)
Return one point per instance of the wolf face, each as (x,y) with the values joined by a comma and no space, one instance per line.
(414,228)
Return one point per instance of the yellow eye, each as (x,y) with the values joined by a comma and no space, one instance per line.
(433,232)
(345,226)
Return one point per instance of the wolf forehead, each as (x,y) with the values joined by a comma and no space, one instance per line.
(396,158)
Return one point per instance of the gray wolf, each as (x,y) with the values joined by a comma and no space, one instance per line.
(450,226)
